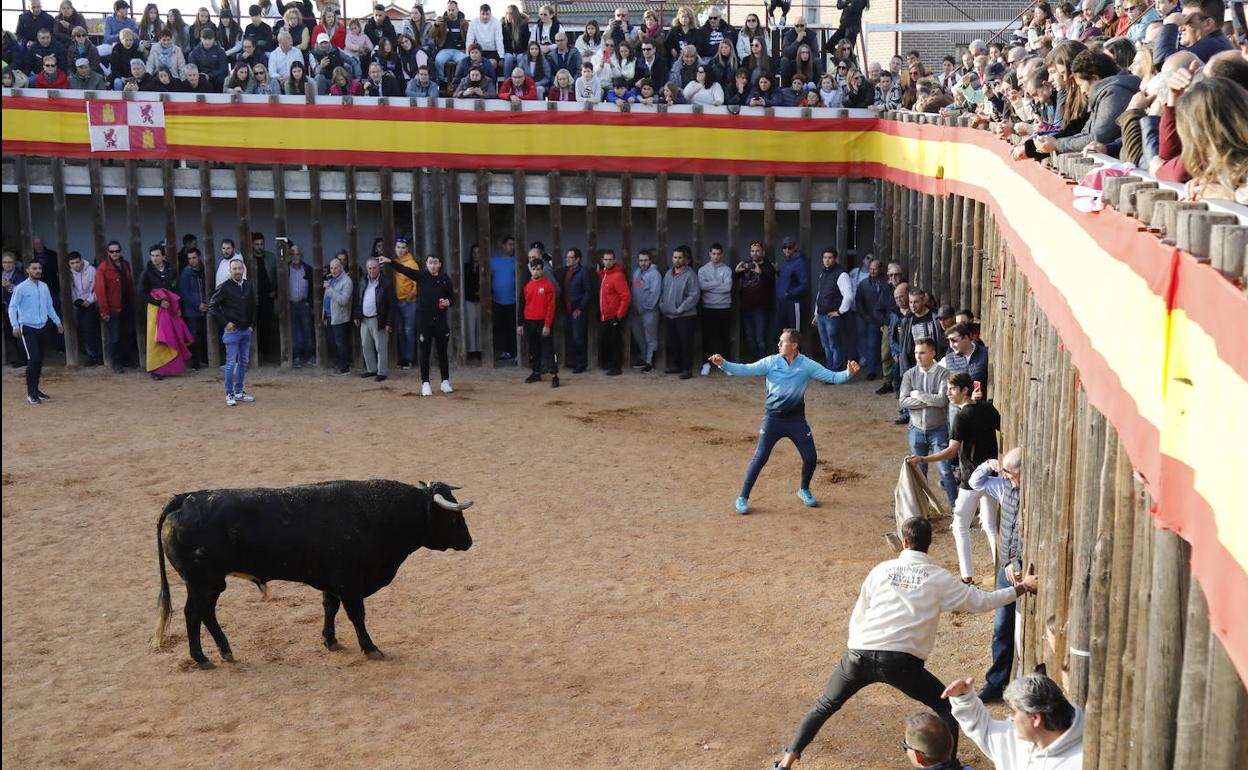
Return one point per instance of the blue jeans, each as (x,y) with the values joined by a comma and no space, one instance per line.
(775,427)
(869,340)
(237,356)
(998,675)
(407,332)
(303,343)
(931,441)
(755,322)
(1149,126)
(444,56)
(342,345)
(832,335)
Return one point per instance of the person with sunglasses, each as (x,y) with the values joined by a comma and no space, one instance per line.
(1195,27)
(795,37)
(114,294)
(928,743)
(65,22)
(749,31)
(714,31)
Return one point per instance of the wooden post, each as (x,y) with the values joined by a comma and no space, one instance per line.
(136,257)
(769,219)
(386,183)
(1135,658)
(1090,514)
(209,254)
(519,204)
(735,254)
(699,220)
(171,214)
(242,185)
(418,215)
(954,253)
(1189,736)
(452,258)
(924,249)
(355,257)
(805,234)
(284,332)
(977,258)
(486,331)
(1102,580)
(1226,712)
(25,217)
(949,257)
(842,218)
(429,213)
(1165,644)
(318,267)
(879,220)
(626,258)
(660,219)
(60,221)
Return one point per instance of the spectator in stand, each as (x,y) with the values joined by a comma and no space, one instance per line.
(336,314)
(475,85)
(82,275)
(750,31)
(300,33)
(683,32)
(795,94)
(240,80)
(589,43)
(562,56)
(519,87)
(234,306)
(1107,92)
(165,54)
(564,88)
(724,64)
(613,302)
(209,59)
(516,35)
(340,84)
(299,295)
(503,298)
(850,22)
(620,31)
(715,285)
(29,310)
(139,80)
(474,59)
(972,441)
(114,292)
(765,93)
(759,61)
(51,76)
(449,31)
(1212,123)
(737,93)
(647,288)
(113,25)
(536,67)
(258,31)
(626,61)
(14,273)
(793,38)
(577,297)
(714,33)
(380,82)
(588,88)
(229,34)
(651,29)
(282,57)
(330,26)
(857,94)
(887,93)
(419,31)
(65,22)
(540,305)
(757,280)
(679,305)
(264,83)
(81,47)
(356,43)
(387,54)
(1044,729)
(203,20)
(33,19)
(928,743)
(379,26)
(195,82)
(487,32)
(873,301)
(545,31)
(703,89)
(179,29)
(1196,27)
(606,66)
(834,297)
(194,293)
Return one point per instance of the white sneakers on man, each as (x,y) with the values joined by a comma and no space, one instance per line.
(425,390)
(706,370)
(446,387)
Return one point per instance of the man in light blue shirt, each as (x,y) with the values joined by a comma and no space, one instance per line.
(784,415)
(29,311)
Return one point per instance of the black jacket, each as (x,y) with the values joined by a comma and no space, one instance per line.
(929,326)
(152,280)
(233,303)
(431,289)
(387,304)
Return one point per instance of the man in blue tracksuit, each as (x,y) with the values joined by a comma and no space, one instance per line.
(784,415)
(30,309)
(792,286)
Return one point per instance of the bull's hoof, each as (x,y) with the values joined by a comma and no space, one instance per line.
(205,664)
(331,645)
(374,655)
(228,657)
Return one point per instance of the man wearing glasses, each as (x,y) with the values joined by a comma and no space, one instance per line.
(1196,27)
(114,293)
(715,31)
(619,29)
(928,744)
(793,39)
(655,69)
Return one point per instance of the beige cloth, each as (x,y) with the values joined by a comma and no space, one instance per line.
(913,497)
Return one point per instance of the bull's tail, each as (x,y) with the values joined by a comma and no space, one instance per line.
(162,603)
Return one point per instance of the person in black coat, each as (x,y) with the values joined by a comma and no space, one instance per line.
(375,310)
(434,299)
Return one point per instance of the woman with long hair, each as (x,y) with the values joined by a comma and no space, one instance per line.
(66,20)
(149,27)
(356,43)
(589,42)
(292,22)
(203,21)
(545,28)
(264,83)
(806,65)
(535,66)
(724,64)
(626,61)
(229,34)
(758,62)
(765,93)
(745,36)
(297,82)
(240,80)
(737,93)
(684,27)
(857,93)
(177,27)
(411,58)
(1212,120)
(703,89)
(388,57)
(563,89)
(515,37)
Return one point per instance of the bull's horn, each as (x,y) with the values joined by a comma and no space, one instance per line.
(448,505)
(452,487)
(422,486)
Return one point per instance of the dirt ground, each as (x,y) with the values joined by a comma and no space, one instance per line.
(613,612)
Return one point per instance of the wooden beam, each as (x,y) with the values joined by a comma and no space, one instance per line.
(842,219)
(136,257)
(452,259)
(518,231)
(242,186)
(209,254)
(805,233)
(486,249)
(769,219)
(660,220)
(591,253)
(699,219)
(282,241)
(386,183)
(318,266)
(735,255)
(355,259)
(60,221)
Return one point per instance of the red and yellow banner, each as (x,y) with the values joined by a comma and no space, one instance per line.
(1158,339)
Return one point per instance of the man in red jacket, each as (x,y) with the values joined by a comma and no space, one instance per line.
(614,298)
(540,302)
(519,87)
(51,76)
(114,294)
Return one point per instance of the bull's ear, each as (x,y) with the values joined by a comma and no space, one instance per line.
(422,486)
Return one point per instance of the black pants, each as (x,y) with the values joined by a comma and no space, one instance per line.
(504,323)
(431,334)
(715,327)
(198,324)
(611,339)
(33,341)
(680,342)
(541,347)
(17,354)
(578,339)
(89,332)
(859,668)
(121,342)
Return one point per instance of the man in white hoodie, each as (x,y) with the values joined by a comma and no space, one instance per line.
(892,631)
(1044,732)
(487,32)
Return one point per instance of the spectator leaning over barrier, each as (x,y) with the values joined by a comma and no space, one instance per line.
(679,305)
(82,275)
(563,89)
(892,631)
(647,287)
(614,299)
(1212,122)
(51,76)
(1107,92)
(588,87)
(1044,729)
(518,88)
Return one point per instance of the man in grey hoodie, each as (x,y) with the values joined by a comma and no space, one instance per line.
(715,283)
(679,305)
(646,287)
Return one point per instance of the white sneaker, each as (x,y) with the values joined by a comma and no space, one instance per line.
(446,387)
(425,390)
(706,370)
(229,399)
(244,396)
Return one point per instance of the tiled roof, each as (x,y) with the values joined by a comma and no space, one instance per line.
(584,10)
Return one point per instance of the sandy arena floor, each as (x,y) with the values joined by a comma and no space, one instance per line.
(613,612)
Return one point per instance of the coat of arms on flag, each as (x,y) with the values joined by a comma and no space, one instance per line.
(121,126)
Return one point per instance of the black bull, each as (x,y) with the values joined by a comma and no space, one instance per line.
(346,539)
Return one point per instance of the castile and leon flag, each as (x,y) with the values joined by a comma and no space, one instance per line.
(122,126)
